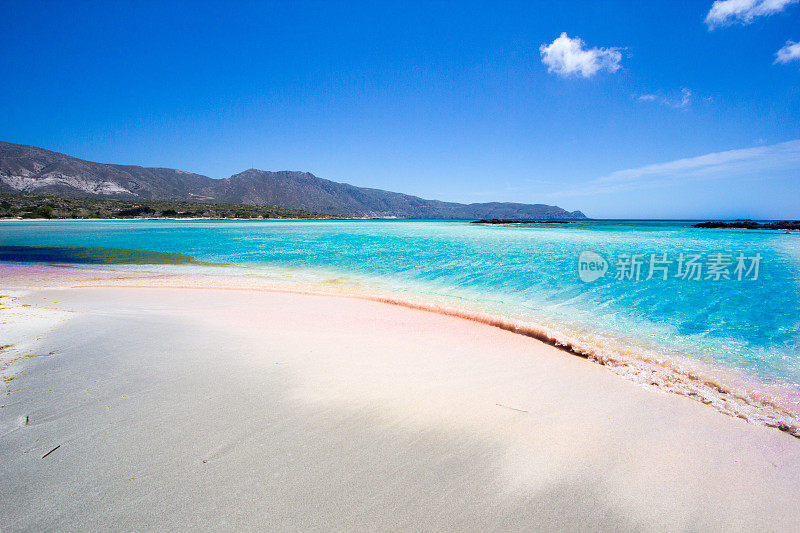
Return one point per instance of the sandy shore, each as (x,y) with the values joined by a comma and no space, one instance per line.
(174,408)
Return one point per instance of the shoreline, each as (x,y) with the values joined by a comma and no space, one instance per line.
(172,219)
(724,390)
(222,408)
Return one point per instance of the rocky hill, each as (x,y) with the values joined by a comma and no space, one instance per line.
(32,170)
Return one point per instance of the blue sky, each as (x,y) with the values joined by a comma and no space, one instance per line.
(642,109)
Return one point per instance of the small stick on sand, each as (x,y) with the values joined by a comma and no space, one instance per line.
(51,451)
(512,408)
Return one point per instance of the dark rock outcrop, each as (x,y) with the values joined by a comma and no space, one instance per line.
(749,224)
(501,221)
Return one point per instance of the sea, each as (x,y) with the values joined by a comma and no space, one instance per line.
(709,313)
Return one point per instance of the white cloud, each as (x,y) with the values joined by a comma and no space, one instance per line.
(686,98)
(679,103)
(789,52)
(725,12)
(566,57)
(754,162)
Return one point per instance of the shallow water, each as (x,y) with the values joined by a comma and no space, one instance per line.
(751,325)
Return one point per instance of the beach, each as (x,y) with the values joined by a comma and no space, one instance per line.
(519,266)
(152,402)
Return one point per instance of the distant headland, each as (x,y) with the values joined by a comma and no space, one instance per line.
(32,170)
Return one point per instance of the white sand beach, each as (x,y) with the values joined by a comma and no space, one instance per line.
(170,407)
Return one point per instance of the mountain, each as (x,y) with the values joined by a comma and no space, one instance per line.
(32,170)
(28,169)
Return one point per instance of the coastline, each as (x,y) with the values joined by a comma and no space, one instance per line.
(233,408)
(724,390)
(172,219)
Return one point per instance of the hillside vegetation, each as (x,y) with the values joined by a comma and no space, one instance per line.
(30,206)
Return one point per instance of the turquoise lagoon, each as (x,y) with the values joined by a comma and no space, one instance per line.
(528,274)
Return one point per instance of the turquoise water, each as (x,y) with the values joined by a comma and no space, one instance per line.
(527,273)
